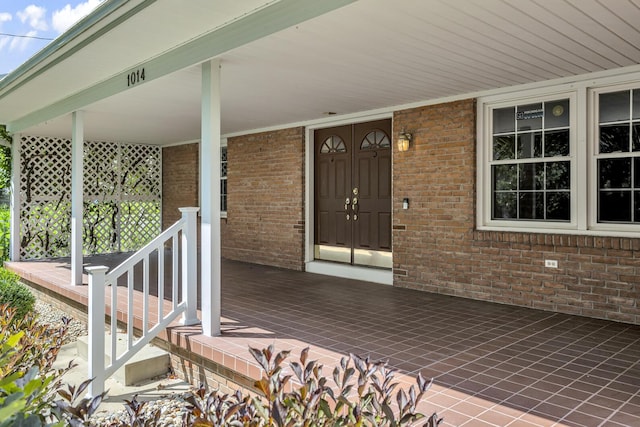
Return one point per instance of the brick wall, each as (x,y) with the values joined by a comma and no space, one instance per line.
(437,249)
(179,181)
(265,185)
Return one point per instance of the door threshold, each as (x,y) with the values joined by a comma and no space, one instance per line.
(367,274)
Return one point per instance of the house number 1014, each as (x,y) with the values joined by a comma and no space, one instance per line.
(135,77)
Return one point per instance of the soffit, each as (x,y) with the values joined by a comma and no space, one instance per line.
(374,54)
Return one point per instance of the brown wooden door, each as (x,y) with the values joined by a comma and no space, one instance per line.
(353,193)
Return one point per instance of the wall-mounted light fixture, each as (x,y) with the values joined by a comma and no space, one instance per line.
(403,140)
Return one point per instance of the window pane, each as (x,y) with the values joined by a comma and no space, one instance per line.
(615,206)
(636,206)
(556,114)
(529,117)
(504,206)
(635,140)
(556,143)
(558,177)
(614,138)
(504,120)
(614,173)
(504,147)
(505,177)
(636,104)
(614,106)
(636,172)
(531,176)
(531,205)
(558,206)
(529,145)
(223,195)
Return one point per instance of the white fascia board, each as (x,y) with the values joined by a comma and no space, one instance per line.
(272,18)
(32,67)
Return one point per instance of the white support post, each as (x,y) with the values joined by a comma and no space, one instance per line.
(16,153)
(210,198)
(96,328)
(77,195)
(190,265)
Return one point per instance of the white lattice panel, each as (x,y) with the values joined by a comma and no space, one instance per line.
(121,203)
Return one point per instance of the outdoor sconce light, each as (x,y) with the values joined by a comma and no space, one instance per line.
(403,140)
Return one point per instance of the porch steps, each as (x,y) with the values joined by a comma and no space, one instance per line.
(150,362)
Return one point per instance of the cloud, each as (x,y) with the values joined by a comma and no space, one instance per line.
(64,18)
(4,17)
(35,16)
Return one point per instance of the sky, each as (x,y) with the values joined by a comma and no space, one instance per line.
(35,18)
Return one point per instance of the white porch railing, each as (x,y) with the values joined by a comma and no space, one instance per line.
(186,231)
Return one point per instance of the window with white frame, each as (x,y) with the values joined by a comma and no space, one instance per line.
(618,156)
(530,161)
(568,162)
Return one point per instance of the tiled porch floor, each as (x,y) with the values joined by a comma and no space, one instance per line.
(493,365)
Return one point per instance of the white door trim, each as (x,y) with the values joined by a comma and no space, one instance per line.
(322,267)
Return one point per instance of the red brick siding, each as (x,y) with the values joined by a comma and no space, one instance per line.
(179,181)
(437,249)
(265,185)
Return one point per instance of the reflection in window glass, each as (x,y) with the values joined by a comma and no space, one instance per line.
(504,120)
(529,117)
(531,171)
(618,164)
(504,147)
(614,106)
(529,145)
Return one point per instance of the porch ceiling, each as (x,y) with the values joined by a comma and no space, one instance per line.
(368,55)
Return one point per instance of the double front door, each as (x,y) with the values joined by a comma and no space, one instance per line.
(353,194)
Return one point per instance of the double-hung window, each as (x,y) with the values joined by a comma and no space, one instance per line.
(617,156)
(530,165)
(565,162)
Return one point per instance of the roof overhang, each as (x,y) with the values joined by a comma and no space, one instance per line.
(292,61)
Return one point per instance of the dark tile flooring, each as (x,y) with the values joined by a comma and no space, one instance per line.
(493,365)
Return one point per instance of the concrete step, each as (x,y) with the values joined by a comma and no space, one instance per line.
(150,362)
(118,393)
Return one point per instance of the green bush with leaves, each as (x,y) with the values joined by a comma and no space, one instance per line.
(29,386)
(15,294)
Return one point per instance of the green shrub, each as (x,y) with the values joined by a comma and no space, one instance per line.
(15,294)
(29,386)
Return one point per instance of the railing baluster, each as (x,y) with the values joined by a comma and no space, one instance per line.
(160,283)
(130,306)
(145,287)
(174,282)
(114,320)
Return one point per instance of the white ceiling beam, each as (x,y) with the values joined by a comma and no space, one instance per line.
(266,21)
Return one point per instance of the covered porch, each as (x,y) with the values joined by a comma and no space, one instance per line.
(492,364)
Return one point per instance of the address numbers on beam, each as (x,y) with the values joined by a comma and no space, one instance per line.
(135,77)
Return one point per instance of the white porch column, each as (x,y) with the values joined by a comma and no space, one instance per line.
(77,192)
(16,153)
(210,198)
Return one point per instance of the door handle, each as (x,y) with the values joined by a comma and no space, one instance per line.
(355,207)
(346,208)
